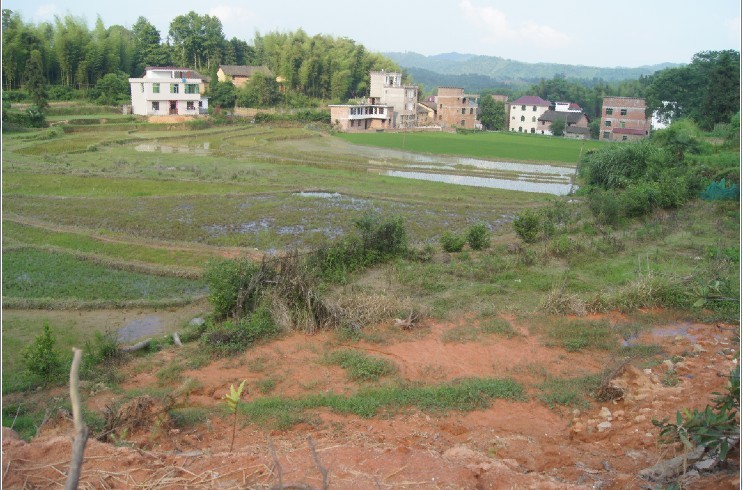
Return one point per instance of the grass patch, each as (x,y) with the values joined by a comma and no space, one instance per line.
(35,274)
(361,367)
(576,335)
(568,392)
(463,395)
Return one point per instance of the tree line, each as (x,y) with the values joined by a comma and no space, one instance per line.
(73,56)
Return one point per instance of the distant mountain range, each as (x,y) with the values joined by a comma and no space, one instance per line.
(481,72)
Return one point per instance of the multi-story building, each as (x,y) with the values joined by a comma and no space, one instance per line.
(525,112)
(569,112)
(455,108)
(361,117)
(386,88)
(168,91)
(624,119)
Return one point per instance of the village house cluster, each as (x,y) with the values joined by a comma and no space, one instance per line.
(392,105)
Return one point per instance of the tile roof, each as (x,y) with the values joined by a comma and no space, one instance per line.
(531,100)
(244,70)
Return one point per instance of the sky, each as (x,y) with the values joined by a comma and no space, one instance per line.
(629,33)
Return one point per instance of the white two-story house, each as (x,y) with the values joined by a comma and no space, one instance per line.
(168,91)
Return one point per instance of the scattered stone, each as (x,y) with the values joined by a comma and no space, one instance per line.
(706,464)
(667,470)
(197,322)
(619,414)
(604,426)
(668,364)
(647,371)
(605,413)
(698,348)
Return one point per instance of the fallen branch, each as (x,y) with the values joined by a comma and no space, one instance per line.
(137,346)
(81,430)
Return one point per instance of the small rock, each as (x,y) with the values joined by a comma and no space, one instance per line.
(197,322)
(698,348)
(605,413)
(668,364)
(640,419)
(604,426)
(647,371)
(619,414)
(706,464)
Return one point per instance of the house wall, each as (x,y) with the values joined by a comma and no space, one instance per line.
(387,88)
(455,108)
(623,113)
(530,115)
(365,117)
(144,94)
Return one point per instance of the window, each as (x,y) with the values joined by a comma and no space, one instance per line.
(513,107)
(521,129)
(156,106)
(155,88)
(609,111)
(624,138)
(464,110)
(190,105)
(607,123)
(607,135)
(461,122)
(192,88)
(621,124)
(523,107)
(472,111)
(623,112)
(534,108)
(533,130)
(173,88)
(141,85)
(441,106)
(523,119)
(533,118)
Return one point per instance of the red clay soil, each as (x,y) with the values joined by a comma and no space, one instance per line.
(508,445)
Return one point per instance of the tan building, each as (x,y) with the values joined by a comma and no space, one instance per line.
(455,108)
(386,88)
(525,112)
(624,119)
(361,117)
(239,74)
(571,118)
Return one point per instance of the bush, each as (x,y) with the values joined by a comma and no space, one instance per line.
(234,337)
(478,236)
(382,239)
(229,282)
(615,166)
(41,358)
(452,242)
(639,199)
(605,207)
(527,225)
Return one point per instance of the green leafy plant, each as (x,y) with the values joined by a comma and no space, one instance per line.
(41,357)
(527,225)
(478,236)
(232,399)
(452,242)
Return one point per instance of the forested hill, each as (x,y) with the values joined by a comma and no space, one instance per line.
(511,72)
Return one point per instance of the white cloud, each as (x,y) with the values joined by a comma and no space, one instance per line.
(46,12)
(228,13)
(498,28)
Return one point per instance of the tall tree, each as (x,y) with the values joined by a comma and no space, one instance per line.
(492,113)
(35,83)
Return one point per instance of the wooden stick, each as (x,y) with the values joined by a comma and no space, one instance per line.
(81,430)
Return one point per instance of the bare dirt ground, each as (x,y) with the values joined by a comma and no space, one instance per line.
(509,445)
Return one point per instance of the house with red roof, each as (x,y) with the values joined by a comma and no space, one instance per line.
(525,112)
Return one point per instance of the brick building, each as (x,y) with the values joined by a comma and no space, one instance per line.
(455,108)
(386,88)
(361,117)
(624,119)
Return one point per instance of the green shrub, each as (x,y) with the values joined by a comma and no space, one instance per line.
(230,291)
(617,165)
(382,238)
(478,236)
(527,225)
(605,207)
(452,242)
(41,358)
(233,337)
(639,199)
